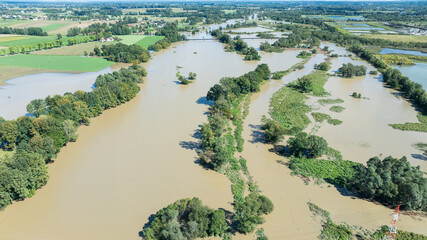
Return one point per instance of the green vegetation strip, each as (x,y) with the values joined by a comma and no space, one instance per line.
(61,63)
(337,109)
(311,83)
(418,127)
(287,107)
(335,172)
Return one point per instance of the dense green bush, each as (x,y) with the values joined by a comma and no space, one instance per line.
(392,181)
(120,52)
(186,219)
(310,146)
(348,70)
(249,213)
(337,172)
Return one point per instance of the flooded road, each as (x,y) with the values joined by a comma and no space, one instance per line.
(139,157)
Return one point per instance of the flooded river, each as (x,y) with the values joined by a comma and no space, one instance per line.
(137,158)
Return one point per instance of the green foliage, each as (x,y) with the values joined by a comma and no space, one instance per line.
(287,107)
(303,54)
(273,132)
(311,146)
(334,121)
(333,154)
(237,44)
(120,52)
(238,136)
(311,83)
(337,109)
(392,181)
(338,172)
(418,127)
(324,66)
(249,213)
(320,117)
(401,235)
(260,234)
(349,70)
(208,137)
(280,74)
(186,219)
(330,101)
(333,231)
(318,211)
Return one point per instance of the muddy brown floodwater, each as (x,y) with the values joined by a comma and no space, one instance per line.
(291,218)
(135,159)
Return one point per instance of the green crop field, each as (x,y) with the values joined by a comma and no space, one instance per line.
(53,27)
(61,63)
(33,40)
(149,40)
(131,39)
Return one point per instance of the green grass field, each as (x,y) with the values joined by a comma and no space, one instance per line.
(398,38)
(131,39)
(61,63)
(75,50)
(149,40)
(33,40)
(53,27)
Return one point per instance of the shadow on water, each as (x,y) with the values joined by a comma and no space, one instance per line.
(419,156)
(190,145)
(257,135)
(147,224)
(204,101)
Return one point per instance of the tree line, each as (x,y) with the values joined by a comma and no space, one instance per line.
(237,44)
(120,52)
(35,31)
(36,139)
(394,78)
(219,145)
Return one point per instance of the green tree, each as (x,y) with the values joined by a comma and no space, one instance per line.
(37,107)
(9,134)
(218,224)
(273,132)
(208,137)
